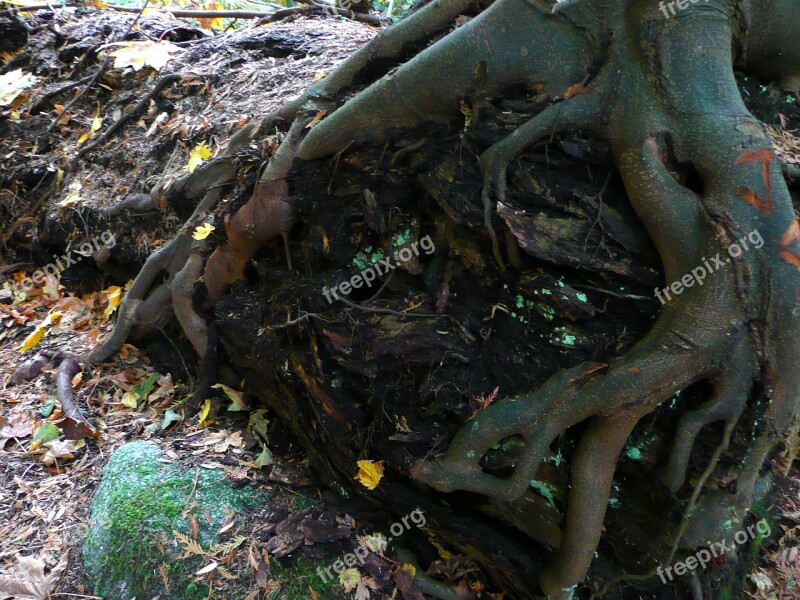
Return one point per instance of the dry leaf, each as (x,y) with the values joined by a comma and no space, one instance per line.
(34,338)
(208,568)
(142,54)
(203,231)
(370,473)
(235,397)
(349,579)
(114,295)
(13,83)
(28,580)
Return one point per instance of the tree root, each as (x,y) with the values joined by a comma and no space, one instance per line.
(74,424)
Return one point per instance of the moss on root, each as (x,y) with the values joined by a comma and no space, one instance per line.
(139,504)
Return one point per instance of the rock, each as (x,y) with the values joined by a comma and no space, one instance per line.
(131,547)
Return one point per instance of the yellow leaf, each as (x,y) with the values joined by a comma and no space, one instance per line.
(205,411)
(349,579)
(319,75)
(203,231)
(34,338)
(114,297)
(198,154)
(410,568)
(97,123)
(370,473)
(130,400)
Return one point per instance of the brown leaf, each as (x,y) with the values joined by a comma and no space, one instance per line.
(28,580)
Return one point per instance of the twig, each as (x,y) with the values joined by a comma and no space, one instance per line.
(388,311)
(53,93)
(161,84)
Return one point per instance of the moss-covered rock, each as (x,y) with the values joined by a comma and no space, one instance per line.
(138,506)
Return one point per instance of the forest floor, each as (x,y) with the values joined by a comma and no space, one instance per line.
(46,484)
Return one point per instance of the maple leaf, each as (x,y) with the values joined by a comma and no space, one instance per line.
(142,54)
(203,231)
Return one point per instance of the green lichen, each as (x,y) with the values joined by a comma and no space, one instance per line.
(634,453)
(401,239)
(138,505)
(545,490)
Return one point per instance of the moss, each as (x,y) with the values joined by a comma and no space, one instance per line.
(302,576)
(138,505)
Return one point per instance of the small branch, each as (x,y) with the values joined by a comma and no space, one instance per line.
(388,311)
(36,108)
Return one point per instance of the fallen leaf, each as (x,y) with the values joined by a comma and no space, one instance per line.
(264,458)
(13,83)
(38,334)
(205,411)
(197,155)
(114,295)
(258,424)
(130,400)
(60,450)
(73,194)
(97,123)
(349,579)
(370,473)
(237,402)
(28,580)
(142,54)
(208,568)
(375,542)
(203,231)
(45,432)
(170,417)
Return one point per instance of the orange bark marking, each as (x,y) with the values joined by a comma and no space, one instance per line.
(574,90)
(792,235)
(764,156)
